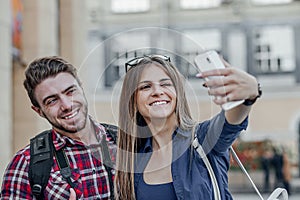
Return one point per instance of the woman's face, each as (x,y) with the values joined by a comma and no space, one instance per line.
(156,95)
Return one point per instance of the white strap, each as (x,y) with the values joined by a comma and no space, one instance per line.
(279,192)
(245,172)
(200,151)
(275,194)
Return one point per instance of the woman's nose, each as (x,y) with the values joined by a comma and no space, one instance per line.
(157,90)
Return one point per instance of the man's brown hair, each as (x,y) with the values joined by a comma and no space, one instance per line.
(43,68)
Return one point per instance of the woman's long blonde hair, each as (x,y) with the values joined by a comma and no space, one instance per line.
(132,126)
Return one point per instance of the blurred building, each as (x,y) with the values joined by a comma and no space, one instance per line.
(98,36)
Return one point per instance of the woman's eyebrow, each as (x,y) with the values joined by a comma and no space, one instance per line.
(161,80)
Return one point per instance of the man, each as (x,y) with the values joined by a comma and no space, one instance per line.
(56,94)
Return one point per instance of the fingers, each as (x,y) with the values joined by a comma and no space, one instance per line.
(215,72)
(221,91)
(217,81)
(72,194)
(221,100)
(229,84)
(222,94)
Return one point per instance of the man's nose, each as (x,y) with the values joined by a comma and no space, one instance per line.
(66,103)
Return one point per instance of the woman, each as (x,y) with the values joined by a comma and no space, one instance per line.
(155,158)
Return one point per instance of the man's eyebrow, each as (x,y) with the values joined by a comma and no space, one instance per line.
(68,88)
(54,95)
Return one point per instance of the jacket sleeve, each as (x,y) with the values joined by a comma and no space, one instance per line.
(217,134)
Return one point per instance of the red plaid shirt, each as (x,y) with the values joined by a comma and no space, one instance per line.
(88,172)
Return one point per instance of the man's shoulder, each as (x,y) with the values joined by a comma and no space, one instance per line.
(25,151)
(111,131)
(20,158)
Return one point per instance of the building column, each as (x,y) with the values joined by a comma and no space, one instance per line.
(6,85)
(39,38)
(73,31)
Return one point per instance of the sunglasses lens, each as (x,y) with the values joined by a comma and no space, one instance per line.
(135,61)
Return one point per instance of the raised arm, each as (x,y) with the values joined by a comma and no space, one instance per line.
(235,85)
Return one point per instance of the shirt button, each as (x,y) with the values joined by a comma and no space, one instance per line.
(94,171)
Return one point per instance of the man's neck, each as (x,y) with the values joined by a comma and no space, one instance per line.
(87,135)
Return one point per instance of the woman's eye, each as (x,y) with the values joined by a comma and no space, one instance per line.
(144,87)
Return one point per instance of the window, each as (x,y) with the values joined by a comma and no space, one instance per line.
(204,39)
(268,2)
(271,54)
(237,48)
(128,6)
(123,47)
(194,4)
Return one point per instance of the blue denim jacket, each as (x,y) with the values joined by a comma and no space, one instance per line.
(190,177)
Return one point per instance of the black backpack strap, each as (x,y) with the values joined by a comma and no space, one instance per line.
(64,166)
(112,131)
(41,161)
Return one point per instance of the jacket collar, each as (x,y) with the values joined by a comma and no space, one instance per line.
(178,133)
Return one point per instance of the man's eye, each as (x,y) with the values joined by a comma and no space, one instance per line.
(71,91)
(50,101)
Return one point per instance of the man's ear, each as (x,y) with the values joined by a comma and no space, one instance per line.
(38,111)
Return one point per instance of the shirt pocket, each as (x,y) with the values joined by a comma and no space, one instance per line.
(59,188)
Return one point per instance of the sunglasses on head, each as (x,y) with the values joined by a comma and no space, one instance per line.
(135,61)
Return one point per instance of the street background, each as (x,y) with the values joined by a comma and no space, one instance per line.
(252,196)
(261,37)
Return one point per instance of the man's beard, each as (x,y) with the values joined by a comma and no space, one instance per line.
(58,126)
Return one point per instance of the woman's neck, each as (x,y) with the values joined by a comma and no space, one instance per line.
(162,132)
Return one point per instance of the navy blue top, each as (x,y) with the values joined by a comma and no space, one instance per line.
(164,191)
(190,176)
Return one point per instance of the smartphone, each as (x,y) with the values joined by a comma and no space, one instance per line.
(210,60)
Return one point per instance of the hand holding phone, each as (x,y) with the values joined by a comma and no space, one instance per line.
(208,61)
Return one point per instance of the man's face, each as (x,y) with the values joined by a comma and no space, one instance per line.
(62,102)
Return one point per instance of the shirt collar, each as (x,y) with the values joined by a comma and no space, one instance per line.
(184,133)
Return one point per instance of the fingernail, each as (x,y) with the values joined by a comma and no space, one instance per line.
(199,75)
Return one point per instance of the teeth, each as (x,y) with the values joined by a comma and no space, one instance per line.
(159,103)
(70,116)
